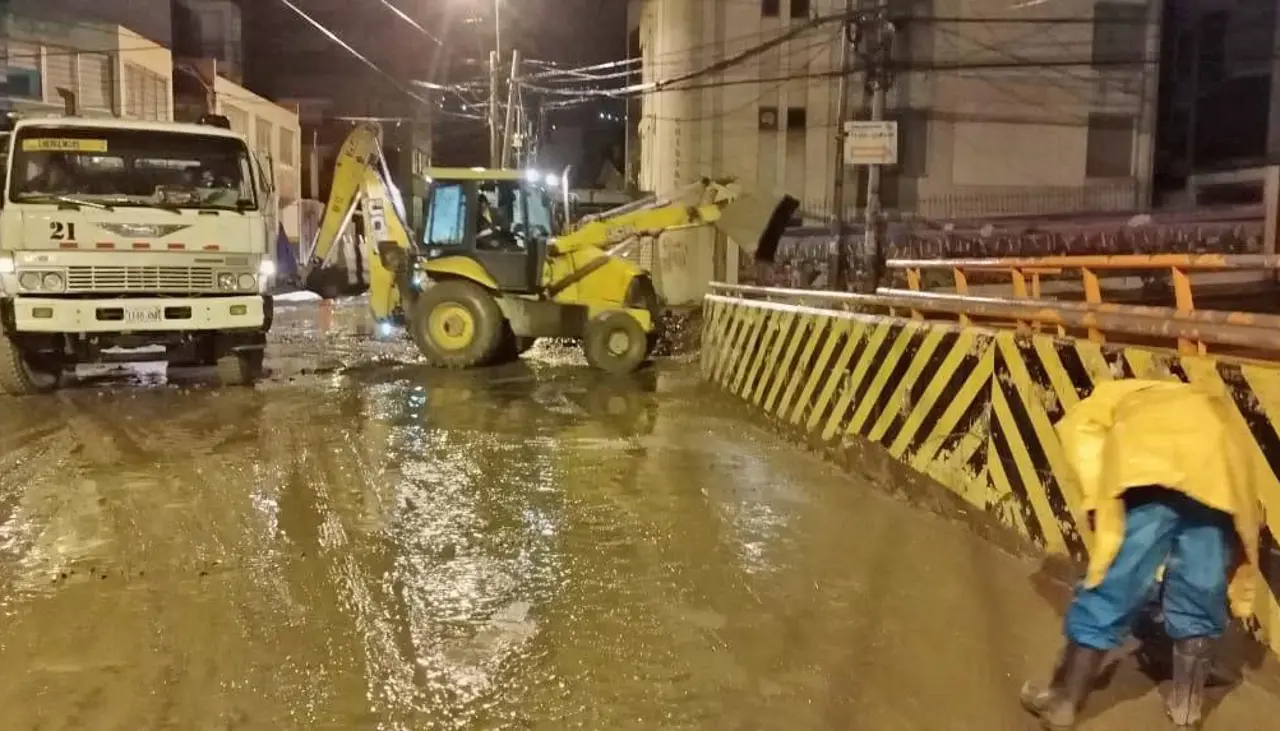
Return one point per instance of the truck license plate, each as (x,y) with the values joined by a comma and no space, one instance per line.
(143,314)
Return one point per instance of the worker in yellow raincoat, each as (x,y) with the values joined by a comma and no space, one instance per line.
(1168,478)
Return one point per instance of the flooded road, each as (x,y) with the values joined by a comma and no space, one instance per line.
(364,543)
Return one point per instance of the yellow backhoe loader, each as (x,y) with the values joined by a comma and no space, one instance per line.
(491,270)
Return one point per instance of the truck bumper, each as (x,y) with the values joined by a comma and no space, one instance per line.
(137,315)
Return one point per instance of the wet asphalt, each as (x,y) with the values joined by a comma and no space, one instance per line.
(362,542)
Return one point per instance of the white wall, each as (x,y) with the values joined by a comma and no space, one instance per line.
(274,132)
(113,70)
(995,140)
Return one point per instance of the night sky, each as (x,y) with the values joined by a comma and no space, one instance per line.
(287,57)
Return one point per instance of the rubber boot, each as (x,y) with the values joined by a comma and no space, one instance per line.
(1191,665)
(1073,677)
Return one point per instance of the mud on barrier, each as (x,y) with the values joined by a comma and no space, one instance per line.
(973,409)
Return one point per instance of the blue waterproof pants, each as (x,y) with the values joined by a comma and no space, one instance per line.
(1195,544)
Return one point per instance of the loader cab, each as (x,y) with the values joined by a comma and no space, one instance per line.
(502,219)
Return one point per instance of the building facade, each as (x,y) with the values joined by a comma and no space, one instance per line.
(112,70)
(1042,108)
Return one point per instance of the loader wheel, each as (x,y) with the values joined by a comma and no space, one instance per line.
(457,324)
(22,375)
(615,342)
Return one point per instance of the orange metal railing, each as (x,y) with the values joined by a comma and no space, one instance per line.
(1026,276)
(1195,331)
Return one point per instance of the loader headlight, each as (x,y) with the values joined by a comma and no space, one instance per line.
(226,281)
(52,282)
(552,180)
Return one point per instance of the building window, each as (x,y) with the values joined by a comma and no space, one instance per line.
(768,121)
(238,118)
(796,118)
(770,8)
(287,141)
(22,71)
(97,90)
(1110,147)
(146,93)
(1119,33)
(799,8)
(60,73)
(263,132)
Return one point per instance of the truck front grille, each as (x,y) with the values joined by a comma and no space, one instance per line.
(140,279)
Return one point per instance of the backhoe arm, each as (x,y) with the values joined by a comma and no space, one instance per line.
(755,223)
(362,185)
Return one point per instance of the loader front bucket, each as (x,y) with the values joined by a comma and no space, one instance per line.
(756,223)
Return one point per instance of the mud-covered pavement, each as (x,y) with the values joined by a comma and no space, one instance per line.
(364,543)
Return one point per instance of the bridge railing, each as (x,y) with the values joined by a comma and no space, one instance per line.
(1026,275)
(1194,331)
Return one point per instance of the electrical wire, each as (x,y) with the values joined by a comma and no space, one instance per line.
(334,37)
(399,13)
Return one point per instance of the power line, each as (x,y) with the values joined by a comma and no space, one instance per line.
(334,37)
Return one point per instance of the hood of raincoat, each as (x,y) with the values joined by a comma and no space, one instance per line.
(1133,433)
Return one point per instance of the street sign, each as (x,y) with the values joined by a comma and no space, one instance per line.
(871,143)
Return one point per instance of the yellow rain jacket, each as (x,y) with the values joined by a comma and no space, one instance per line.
(1133,433)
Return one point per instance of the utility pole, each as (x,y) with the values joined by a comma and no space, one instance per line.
(875,28)
(495,152)
(507,140)
(838,251)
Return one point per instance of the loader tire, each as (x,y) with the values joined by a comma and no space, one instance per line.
(19,376)
(456,324)
(615,342)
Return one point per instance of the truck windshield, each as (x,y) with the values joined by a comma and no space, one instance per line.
(130,167)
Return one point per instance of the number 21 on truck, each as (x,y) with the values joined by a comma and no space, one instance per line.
(119,234)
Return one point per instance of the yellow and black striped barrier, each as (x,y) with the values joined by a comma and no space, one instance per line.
(969,407)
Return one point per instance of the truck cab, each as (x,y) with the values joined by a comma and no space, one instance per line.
(118,235)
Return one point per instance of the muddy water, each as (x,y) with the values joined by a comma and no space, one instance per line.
(363,543)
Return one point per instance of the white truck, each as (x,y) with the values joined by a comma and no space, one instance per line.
(117,236)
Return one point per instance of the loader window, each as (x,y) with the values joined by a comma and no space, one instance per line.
(447,216)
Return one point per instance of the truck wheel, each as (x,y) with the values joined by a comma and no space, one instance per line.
(241,368)
(456,324)
(615,342)
(21,375)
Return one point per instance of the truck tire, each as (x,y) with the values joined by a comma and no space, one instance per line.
(240,369)
(18,377)
(456,324)
(615,342)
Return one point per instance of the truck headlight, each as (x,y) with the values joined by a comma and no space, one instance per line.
(6,264)
(247,282)
(226,280)
(29,280)
(266,268)
(53,282)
